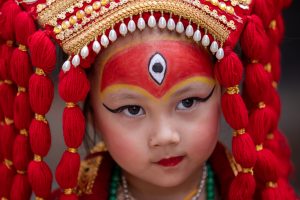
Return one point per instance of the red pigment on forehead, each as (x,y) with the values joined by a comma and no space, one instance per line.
(130,66)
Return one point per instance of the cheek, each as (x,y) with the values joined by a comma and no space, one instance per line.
(203,131)
(123,145)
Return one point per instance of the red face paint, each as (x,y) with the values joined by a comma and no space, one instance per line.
(170,63)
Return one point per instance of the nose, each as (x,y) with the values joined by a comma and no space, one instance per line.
(163,134)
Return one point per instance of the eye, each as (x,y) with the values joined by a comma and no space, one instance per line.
(132,111)
(187,103)
(128,110)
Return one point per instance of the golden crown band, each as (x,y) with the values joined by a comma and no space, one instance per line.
(76,23)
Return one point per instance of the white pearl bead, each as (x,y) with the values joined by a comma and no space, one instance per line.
(123,29)
(84,52)
(205,41)
(179,27)
(151,21)
(96,47)
(131,26)
(171,24)
(66,66)
(220,54)
(112,35)
(214,47)
(189,32)
(104,40)
(162,23)
(76,60)
(141,24)
(197,36)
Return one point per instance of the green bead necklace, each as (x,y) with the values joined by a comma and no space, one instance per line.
(116,175)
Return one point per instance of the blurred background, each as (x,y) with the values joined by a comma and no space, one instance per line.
(289,89)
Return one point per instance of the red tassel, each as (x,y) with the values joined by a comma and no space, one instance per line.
(6,179)
(243,150)
(21,152)
(258,83)
(276,64)
(262,122)
(42,51)
(229,71)
(40,138)
(40,178)
(264,167)
(67,170)
(245,181)
(22,112)
(41,93)
(8,93)
(73,85)
(21,188)
(267,10)
(234,111)
(7,138)
(254,40)
(24,27)
(6,52)
(9,12)
(20,68)
(271,194)
(73,126)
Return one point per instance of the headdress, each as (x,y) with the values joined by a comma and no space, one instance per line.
(83,28)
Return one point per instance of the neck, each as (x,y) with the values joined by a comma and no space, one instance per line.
(141,189)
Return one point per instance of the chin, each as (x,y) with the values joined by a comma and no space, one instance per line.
(168,181)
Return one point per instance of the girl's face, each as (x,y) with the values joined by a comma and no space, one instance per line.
(156,104)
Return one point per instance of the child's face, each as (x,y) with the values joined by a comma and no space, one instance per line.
(156,104)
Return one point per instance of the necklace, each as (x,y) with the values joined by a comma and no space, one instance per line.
(207,177)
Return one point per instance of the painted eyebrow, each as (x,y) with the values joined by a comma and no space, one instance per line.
(126,96)
(186,89)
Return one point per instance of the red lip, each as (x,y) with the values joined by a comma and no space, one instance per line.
(170,162)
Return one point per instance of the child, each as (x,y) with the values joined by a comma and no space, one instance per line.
(158,75)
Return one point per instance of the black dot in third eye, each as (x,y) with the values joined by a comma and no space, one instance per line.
(157,68)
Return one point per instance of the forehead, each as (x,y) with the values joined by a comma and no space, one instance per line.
(155,66)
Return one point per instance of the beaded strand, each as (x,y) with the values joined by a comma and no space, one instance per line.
(115,181)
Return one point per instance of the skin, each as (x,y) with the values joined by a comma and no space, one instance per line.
(170,119)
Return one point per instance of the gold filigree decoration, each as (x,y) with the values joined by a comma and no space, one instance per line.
(87,175)
(236,168)
(88,33)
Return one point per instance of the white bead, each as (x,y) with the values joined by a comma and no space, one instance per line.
(141,24)
(179,27)
(76,60)
(123,29)
(171,24)
(189,32)
(220,54)
(162,23)
(104,40)
(151,21)
(66,66)
(84,52)
(197,36)
(214,47)
(112,35)
(96,47)
(205,41)
(131,26)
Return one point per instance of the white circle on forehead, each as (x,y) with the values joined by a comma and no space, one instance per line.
(157,68)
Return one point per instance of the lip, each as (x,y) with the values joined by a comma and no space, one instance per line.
(170,162)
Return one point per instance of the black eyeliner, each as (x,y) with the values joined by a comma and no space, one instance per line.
(118,110)
(206,98)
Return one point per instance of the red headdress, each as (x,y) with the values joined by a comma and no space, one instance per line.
(82,28)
